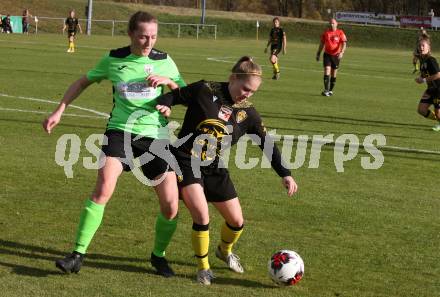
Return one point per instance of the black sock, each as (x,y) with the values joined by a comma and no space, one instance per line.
(326,82)
(332,83)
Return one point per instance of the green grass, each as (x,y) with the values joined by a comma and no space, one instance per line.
(361,232)
(237,25)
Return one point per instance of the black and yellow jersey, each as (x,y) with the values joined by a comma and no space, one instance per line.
(276,36)
(212,112)
(71,23)
(428,67)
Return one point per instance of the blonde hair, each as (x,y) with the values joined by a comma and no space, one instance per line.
(428,41)
(246,67)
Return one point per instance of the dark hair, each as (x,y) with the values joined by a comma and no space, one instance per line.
(246,66)
(140,17)
(276,19)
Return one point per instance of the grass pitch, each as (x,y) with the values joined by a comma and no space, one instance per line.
(360,232)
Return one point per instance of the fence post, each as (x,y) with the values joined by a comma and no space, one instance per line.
(215,32)
(178,30)
(113,28)
(197,31)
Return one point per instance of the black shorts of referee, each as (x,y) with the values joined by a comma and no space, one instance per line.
(331,60)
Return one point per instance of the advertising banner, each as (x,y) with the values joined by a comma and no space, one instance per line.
(415,21)
(367,18)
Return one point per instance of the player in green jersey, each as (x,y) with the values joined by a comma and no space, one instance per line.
(138,74)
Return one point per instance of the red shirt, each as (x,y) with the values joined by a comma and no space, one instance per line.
(333,41)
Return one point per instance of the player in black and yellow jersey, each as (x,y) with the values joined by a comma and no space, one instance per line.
(278,43)
(416,53)
(429,73)
(72,25)
(218,114)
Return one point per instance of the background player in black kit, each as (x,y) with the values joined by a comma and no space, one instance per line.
(218,115)
(429,73)
(72,25)
(277,42)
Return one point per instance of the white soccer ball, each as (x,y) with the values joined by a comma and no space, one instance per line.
(286,267)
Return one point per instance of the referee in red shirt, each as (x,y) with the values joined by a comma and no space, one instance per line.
(334,42)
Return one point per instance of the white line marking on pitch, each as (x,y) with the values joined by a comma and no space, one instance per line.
(47,112)
(106,116)
(102,114)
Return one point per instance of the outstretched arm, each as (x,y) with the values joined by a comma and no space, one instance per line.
(273,154)
(71,94)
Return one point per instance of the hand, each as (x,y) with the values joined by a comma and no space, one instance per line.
(164,110)
(284,51)
(52,121)
(156,80)
(420,80)
(317,57)
(265,50)
(340,55)
(290,184)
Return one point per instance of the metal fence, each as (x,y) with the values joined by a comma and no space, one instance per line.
(116,27)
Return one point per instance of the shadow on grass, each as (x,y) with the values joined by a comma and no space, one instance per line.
(28,251)
(227,281)
(47,254)
(27,270)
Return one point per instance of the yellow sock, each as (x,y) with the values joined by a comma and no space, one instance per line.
(432,116)
(71,45)
(276,68)
(229,236)
(200,243)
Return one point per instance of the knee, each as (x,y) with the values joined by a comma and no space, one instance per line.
(170,211)
(200,218)
(102,194)
(236,222)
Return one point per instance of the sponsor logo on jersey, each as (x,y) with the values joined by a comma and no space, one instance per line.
(241,116)
(122,67)
(148,69)
(214,98)
(225,113)
(136,90)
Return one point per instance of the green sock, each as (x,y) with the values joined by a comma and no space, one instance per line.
(164,232)
(90,219)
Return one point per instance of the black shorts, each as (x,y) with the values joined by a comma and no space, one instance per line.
(275,49)
(115,148)
(71,33)
(433,97)
(330,60)
(216,183)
